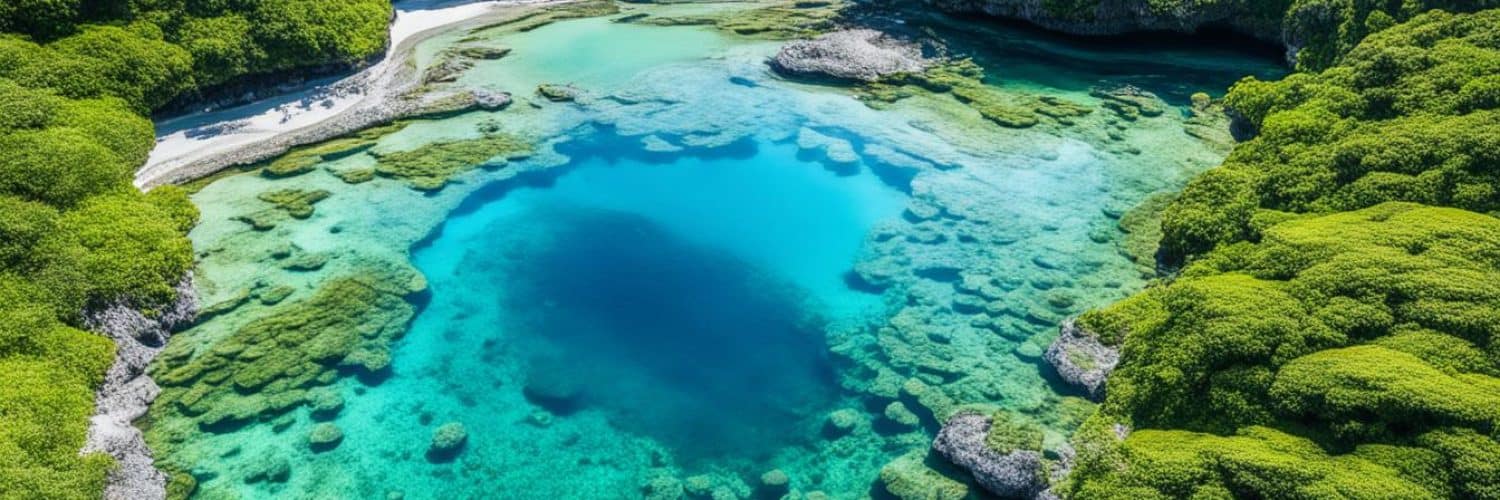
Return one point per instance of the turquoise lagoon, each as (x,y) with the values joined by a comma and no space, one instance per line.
(700,265)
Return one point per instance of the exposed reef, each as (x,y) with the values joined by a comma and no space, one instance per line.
(127,392)
(862,55)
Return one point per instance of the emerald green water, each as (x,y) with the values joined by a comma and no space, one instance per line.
(702,263)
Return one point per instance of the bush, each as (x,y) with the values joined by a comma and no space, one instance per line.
(1328,338)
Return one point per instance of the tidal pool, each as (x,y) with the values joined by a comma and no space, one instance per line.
(701,274)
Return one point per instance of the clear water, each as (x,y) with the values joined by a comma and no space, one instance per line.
(603,316)
(679,299)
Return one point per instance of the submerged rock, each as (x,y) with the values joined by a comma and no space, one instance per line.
(1010,471)
(1081,360)
(324,437)
(448,441)
(909,478)
(557,93)
(862,55)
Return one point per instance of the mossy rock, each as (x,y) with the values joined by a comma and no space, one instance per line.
(263,368)
(297,203)
(909,478)
(995,108)
(325,437)
(1009,433)
(355,175)
(557,93)
(432,166)
(274,295)
(448,440)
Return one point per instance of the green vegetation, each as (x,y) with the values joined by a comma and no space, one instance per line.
(76,78)
(1329,337)
(1409,116)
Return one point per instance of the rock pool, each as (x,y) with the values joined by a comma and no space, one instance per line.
(689,275)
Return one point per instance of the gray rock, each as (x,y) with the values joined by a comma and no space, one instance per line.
(862,55)
(1081,360)
(1018,474)
(127,392)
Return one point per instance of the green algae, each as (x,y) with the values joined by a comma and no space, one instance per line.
(304,159)
(432,166)
(911,478)
(297,203)
(265,367)
(964,80)
(1008,433)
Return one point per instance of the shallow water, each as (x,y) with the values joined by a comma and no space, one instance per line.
(700,265)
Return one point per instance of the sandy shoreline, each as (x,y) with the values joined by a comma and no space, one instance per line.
(199,144)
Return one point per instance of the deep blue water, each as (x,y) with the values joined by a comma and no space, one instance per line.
(681,299)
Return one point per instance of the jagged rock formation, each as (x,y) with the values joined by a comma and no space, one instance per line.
(1081,360)
(1017,473)
(1114,17)
(862,55)
(127,392)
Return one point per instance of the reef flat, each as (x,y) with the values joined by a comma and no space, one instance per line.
(665,270)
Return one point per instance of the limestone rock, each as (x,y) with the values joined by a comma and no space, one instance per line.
(1081,360)
(127,392)
(862,55)
(1017,474)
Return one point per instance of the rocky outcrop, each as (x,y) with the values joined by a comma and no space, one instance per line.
(1081,359)
(1114,17)
(127,392)
(861,55)
(1018,473)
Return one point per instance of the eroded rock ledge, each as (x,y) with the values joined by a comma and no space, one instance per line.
(127,392)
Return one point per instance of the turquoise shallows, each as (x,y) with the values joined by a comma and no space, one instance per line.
(705,273)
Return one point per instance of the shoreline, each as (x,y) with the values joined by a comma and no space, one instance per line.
(197,145)
(128,391)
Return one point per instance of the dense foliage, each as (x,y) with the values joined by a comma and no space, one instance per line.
(1409,116)
(76,78)
(1334,334)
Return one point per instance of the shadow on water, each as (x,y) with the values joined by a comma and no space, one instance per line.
(1173,65)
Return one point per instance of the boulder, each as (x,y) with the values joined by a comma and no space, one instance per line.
(1017,473)
(1081,360)
(448,441)
(861,55)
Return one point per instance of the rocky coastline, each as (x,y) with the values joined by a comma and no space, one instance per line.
(127,392)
